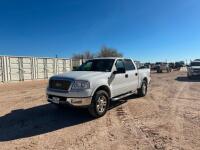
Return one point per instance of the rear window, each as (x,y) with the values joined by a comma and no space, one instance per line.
(129,64)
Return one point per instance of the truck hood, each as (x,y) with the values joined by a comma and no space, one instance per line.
(83,75)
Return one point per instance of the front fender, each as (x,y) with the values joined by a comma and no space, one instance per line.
(98,84)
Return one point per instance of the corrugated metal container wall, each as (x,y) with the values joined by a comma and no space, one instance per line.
(1,69)
(41,68)
(14,69)
(27,68)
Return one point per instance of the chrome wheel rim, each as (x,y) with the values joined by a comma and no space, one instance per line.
(101,104)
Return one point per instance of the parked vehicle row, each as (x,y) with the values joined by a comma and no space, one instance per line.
(160,67)
(164,67)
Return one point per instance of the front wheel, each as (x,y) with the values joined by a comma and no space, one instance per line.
(143,90)
(100,104)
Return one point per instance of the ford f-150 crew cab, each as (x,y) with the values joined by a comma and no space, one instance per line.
(97,82)
(194,69)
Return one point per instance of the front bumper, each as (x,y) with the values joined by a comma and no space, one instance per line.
(74,98)
(77,102)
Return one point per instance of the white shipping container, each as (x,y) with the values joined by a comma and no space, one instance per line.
(14,68)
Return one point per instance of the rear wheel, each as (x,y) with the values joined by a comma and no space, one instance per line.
(100,104)
(143,90)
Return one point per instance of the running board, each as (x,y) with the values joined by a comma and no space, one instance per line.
(122,96)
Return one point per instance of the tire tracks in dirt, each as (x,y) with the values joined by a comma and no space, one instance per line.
(132,128)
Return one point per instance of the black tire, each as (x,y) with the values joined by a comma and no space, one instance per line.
(100,104)
(143,90)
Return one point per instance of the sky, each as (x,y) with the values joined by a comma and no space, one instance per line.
(146,30)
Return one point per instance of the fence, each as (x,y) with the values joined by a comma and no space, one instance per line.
(15,68)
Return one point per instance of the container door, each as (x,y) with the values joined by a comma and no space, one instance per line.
(14,69)
(60,66)
(67,65)
(50,67)
(27,68)
(41,68)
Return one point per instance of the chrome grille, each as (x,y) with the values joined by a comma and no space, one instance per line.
(58,84)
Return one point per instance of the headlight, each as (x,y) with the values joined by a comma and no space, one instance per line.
(79,85)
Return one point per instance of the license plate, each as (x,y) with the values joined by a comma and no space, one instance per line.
(55,100)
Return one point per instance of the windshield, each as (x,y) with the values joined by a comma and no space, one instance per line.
(103,65)
(195,63)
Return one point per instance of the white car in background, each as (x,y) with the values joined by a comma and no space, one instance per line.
(97,82)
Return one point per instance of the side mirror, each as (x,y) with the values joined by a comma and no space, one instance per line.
(119,71)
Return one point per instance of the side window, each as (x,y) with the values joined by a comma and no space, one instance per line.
(129,64)
(119,64)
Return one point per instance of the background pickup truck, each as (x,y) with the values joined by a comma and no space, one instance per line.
(97,82)
(194,69)
(160,67)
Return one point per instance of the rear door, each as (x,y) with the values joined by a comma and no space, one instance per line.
(131,75)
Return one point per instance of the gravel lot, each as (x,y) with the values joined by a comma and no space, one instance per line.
(167,118)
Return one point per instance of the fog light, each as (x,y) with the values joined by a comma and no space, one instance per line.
(76,101)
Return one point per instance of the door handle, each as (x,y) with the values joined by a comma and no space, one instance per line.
(136,74)
(126,75)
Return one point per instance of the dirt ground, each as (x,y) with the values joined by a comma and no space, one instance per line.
(167,118)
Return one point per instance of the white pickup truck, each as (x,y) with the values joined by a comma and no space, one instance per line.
(194,69)
(97,82)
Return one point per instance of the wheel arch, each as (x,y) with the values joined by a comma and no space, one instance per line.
(144,79)
(104,88)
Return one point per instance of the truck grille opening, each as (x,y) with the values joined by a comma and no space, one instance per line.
(59,84)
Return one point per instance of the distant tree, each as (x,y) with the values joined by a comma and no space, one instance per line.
(84,55)
(109,52)
(104,52)
(88,55)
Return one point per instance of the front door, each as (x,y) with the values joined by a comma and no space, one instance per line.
(118,82)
